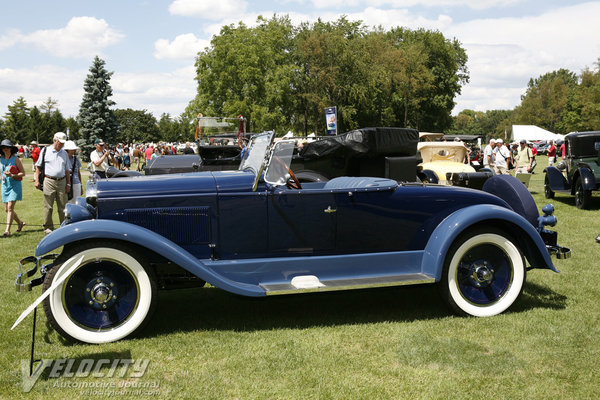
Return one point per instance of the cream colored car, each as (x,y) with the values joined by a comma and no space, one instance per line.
(444,159)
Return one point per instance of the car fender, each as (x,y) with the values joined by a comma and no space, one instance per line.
(460,221)
(556,179)
(588,181)
(125,232)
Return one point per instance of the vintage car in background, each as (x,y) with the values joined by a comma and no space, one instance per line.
(579,173)
(448,163)
(259,231)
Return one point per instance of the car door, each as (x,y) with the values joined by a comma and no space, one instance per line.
(301,222)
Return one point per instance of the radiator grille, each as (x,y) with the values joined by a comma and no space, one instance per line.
(182,225)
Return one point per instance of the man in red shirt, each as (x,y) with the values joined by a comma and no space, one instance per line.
(148,152)
(551,153)
(35,152)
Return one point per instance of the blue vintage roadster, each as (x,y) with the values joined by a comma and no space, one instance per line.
(259,231)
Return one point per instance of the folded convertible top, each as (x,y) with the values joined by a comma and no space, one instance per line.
(365,142)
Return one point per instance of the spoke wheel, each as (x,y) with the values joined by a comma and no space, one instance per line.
(483,275)
(110,295)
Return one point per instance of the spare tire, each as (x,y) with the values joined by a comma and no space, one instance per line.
(512,191)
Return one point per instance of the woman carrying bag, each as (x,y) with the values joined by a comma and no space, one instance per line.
(12,189)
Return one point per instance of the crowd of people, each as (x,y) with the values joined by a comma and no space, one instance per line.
(502,157)
(57,171)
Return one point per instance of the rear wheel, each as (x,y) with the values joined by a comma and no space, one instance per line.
(582,197)
(483,274)
(109,296)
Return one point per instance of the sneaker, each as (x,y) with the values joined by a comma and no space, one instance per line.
(47,231)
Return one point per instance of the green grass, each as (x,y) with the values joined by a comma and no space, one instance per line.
(397,343)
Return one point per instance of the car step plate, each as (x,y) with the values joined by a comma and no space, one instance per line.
(310,283)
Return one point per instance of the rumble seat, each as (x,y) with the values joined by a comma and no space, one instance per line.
(351,183)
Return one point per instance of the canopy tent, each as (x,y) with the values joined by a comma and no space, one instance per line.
(533,133)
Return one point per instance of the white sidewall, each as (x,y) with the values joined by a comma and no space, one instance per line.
(127,327)
(512,292)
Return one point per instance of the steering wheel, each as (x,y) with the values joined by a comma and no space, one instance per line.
(293,182)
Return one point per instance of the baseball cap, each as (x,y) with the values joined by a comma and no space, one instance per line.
(60,136)
(523,141)
(98,141)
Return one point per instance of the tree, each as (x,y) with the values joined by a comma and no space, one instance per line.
(282,77)
(16,125)
(96,118)
(136,126)
(582,111)
(545,99)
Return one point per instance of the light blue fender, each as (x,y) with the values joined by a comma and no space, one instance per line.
(123,231)
(450,228)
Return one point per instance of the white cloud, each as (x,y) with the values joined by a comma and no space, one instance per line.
(156,92)
(213,10)
(38,83)
(83,37)
(473,4)
(182,47)
(505,53)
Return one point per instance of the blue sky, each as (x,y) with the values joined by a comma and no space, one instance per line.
(46,48)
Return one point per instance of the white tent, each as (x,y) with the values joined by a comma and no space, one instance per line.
(532,132)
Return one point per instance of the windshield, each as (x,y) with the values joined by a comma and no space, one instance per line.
(278,170)
(254,155)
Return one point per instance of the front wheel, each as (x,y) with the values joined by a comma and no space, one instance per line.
(583,197)
(483,274)
(109,296)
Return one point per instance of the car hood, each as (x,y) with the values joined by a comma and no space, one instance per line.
(173,184)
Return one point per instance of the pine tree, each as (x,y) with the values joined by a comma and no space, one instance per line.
(96,119)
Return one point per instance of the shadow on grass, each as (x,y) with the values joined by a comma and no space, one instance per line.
(569,200)
(214,309)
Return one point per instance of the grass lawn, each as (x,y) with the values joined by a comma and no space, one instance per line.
(396,343)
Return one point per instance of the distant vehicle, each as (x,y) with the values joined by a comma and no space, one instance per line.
(581,169)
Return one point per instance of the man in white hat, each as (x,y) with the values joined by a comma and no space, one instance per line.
(501,155)
(488,154)
(52,176)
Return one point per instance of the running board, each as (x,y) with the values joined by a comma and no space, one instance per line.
(310,283)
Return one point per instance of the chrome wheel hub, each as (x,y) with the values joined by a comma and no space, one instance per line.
(101,293)
(481,274)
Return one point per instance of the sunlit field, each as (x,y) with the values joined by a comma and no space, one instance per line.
(396,343)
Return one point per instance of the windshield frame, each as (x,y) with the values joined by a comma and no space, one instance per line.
(256,154)
(280,160)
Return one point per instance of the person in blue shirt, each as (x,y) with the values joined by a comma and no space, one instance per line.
(12,172)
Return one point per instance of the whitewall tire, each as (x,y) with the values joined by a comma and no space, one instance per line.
(483,275)
(110,296)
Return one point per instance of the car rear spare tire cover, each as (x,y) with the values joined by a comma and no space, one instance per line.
(511,190)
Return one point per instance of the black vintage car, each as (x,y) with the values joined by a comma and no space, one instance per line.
(579,173)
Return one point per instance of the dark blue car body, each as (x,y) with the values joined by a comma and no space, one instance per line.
(246,235)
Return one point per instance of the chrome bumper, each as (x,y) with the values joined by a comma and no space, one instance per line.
(29,266)
(560,252)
